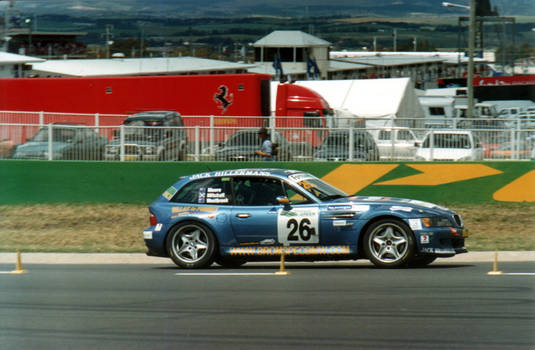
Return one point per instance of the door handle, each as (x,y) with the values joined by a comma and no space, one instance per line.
(243,215)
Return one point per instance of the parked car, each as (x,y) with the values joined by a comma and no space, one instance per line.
(150,136)
(395,143)
(7,147)
(450,145)
(509,150)
(235,216)
(243,144)
(336,146)
(69,141)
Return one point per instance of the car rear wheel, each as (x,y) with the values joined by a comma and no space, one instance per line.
(389,243)
(191,245)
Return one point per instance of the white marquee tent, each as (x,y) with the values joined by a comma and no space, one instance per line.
(382,99)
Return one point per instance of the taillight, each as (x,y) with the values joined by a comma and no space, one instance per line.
(153,220)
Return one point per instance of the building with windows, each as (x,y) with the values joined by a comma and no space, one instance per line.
(295,55)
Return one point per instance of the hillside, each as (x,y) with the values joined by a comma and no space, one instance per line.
(205,8)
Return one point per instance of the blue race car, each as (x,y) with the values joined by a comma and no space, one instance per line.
(235,216)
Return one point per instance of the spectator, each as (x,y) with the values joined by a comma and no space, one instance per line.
(266,150)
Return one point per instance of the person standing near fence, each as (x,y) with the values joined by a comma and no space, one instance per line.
(266,150)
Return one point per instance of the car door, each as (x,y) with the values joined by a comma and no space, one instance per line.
(405,144)
(298,223)
(255,211)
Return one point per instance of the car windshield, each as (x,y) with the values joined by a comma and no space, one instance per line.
(143,129)
(58,135)
(449,141)
(342,140)
(317,187)
(244,139)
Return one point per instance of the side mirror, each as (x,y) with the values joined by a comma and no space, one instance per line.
(284,201)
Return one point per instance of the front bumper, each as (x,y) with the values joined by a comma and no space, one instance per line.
(132,157)
(442,242)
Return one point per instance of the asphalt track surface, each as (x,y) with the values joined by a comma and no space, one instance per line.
(452,304)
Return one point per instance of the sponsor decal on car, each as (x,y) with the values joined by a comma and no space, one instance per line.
(231,173)
(339,207)
(170,192)
(415,224)
(299,225)
(292,250)
(360,208)
(400,208)
(192,211)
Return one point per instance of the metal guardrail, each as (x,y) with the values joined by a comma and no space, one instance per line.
(57,136)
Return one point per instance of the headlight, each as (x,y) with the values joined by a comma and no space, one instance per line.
(112,149)
(436,221)
(150,149)
(54,155)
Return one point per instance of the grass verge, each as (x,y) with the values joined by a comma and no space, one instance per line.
(119,227)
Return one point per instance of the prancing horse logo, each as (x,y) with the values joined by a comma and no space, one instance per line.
(223,97)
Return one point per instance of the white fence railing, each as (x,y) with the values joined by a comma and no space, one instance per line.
(54,136)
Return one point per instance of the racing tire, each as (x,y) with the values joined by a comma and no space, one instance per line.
(191,245)
(230,262)
(389,243)
(421,260)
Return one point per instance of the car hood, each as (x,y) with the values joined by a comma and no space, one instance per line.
(360,203)
(238,150)
(33,147)
(340,153)
(139,142)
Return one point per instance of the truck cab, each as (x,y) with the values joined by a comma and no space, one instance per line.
(306,112)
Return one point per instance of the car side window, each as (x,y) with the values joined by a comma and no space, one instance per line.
(405,135)
(256,191)
(294,196)
(384,135)
(206,191)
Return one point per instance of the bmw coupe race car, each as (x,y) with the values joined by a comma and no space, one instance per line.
(235,216)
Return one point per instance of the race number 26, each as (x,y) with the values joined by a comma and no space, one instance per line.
(300,225)
(300,230)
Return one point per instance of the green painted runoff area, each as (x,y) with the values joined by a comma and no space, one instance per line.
(32,182)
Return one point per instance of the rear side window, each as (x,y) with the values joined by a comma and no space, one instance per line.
(206,191)
(436,111)
(257,191)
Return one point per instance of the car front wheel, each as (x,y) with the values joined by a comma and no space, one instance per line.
(191,245)
(389,243)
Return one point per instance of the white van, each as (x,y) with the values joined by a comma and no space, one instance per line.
(395,143)
(450,145)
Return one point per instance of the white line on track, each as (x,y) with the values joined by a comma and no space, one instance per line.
(519,273)
(226,274)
